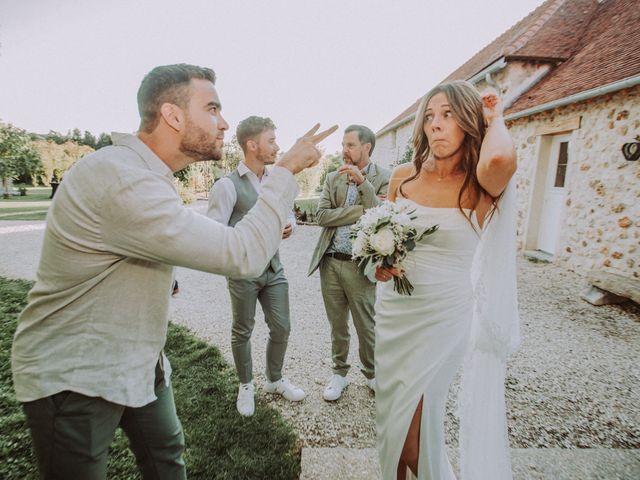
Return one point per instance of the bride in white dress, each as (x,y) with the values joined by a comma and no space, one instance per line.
(463,161)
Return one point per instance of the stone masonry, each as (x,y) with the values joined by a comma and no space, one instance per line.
(601,230)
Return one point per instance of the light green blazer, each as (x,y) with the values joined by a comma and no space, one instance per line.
(331,210)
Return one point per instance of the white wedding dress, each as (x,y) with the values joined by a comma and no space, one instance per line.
(421,339)
(463,311)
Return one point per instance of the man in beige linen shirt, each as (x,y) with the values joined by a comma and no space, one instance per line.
(86,357)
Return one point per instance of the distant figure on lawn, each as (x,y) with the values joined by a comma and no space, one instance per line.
(55,182)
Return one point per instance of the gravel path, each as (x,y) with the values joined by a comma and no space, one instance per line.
(574,383)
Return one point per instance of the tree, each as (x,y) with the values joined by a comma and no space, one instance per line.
(56,137)
(18,158)
(89,139)
(330,163)
(59,157)
(199,176)
(75,136)
(308,180)
(202,175)
(407,156)
(232,155)
(183,175)
(103,140)
(28,166)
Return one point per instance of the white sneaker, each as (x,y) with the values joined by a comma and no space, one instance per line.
(334,390)
(246,404)
(371,383)
(285,388)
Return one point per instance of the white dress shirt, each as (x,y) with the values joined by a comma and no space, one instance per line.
(223,196)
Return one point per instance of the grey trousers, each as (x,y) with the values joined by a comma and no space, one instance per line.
(272,291)
(71,434)
(345,289)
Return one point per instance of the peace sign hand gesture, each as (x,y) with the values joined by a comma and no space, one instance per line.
(304,153)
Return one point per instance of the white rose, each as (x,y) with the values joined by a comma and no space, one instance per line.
(383,242)
(402,219)
(368,220)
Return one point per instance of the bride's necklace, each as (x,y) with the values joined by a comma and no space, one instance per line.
(455,173)
(439,178)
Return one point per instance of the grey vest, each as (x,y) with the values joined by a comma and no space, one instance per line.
(246,198)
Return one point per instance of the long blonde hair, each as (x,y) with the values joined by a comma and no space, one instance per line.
(466,107)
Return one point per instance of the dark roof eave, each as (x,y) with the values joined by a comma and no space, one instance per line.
(576,97)
(535,59)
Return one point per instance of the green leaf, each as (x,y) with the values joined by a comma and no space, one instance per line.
(426,232)
(369,268)
(382,223)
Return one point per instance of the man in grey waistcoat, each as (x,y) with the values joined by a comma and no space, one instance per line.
(230,199)
(356,186)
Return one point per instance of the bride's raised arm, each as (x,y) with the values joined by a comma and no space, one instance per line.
(497,162)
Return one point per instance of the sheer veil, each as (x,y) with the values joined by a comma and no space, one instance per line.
(495,333)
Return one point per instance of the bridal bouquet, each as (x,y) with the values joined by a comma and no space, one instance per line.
(382,238)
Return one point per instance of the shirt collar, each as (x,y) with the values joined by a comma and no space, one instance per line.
(243,170)
(154,162)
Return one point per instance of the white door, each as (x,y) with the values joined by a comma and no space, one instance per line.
(554,194)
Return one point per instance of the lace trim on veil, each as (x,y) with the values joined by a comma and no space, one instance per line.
(495,333)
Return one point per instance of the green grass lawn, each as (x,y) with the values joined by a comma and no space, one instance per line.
(220,443)
(33,206)
(309,206)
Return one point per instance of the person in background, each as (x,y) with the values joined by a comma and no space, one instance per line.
(357,185)
(231,198)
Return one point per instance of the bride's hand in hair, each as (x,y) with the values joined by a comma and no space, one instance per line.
(492,105)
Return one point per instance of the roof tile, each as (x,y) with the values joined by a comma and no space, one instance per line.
(593,42)
(608,52)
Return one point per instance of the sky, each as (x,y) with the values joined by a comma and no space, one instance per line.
(68,64)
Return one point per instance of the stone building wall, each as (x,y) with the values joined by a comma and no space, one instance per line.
(391,146)
(601,227)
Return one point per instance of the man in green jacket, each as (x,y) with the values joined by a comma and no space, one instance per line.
(356,186)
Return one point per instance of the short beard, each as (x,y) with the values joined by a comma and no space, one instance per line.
(198,145)
(351,161)
(265,159)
